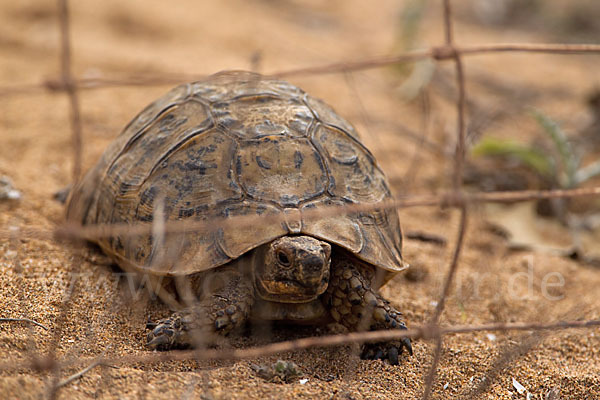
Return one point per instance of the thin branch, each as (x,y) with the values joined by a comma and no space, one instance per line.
(507,356)
(453,267)
(79,374)
(65,307)
(438,53)
(459,159)
(30,321)
(69,86)
(430,378)
(457,183)
(448,30)
(374,62)
(423,332)
(447,199)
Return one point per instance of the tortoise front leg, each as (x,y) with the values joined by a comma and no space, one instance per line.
(355,304)
(225,305)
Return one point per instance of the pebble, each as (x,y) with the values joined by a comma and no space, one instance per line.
(7,190)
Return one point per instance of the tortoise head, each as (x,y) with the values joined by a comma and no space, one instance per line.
(292,269)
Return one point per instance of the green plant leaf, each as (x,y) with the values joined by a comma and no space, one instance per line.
(588,172)
(529,156)
(411,19)
(569,160)
(417,75)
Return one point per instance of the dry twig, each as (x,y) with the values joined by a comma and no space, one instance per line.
(438,53)
(79,374)
(30,321)
(448,199)
(459,159)
(69,85)
(423,332)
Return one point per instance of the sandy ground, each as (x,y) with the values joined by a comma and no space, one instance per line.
(113,38)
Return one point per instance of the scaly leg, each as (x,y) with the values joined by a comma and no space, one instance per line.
(225,305)
(353,303)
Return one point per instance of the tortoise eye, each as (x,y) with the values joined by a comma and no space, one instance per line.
(283,258)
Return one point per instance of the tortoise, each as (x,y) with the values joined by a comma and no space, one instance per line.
(242,144)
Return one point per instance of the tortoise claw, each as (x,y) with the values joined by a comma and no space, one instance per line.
(386,350)
(158,342)
(151,325)
(165,334)
(406,343)
(393,355)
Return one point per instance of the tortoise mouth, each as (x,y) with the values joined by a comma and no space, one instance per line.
(286,291)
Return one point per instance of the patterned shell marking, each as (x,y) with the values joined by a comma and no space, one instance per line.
(236,144)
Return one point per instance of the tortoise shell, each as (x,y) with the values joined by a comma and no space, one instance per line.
(236,144)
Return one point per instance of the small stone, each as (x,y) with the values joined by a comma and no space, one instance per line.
(281,371)
(339,293)
(347,274)
(7,191)
(336,302)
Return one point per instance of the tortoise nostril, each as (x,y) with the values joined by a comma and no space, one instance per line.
(313,264)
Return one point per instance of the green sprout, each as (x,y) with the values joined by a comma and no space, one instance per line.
(562,166)
(419,74)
